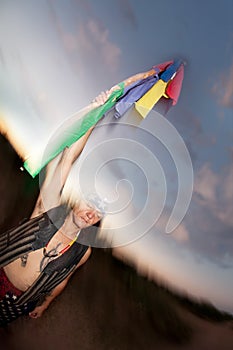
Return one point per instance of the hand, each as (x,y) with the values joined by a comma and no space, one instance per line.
(37,312)
(104,96)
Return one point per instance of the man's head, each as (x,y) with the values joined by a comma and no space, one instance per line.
(88,211)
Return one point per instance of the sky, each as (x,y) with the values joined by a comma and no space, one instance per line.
(56,56)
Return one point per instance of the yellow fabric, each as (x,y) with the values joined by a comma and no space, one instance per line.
(151,97)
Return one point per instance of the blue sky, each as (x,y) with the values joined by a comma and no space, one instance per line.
(56,56)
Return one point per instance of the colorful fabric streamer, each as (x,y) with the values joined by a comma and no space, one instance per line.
(144,94)
(75,130)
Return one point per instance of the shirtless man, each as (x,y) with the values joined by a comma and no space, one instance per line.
(39,257)
(25,270)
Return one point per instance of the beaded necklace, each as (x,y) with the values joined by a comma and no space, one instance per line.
(49,255)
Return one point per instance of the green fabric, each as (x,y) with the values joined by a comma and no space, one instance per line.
(67,137)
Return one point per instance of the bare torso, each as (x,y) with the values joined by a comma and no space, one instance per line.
(57,171)
(22,277)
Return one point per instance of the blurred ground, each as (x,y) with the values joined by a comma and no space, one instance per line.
(106,305)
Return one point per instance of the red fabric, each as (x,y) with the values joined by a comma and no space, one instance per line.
(6,286)
(174,87)
(162,66)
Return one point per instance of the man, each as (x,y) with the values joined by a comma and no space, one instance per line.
(39,256)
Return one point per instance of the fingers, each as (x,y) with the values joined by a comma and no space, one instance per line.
(102,97)
(114,88)
(36,313)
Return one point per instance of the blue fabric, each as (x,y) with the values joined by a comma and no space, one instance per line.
(168,73)
(133,93)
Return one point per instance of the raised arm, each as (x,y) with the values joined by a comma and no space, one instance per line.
(57,172)
(58,169)
(69,156)
(139,76)
(104,95)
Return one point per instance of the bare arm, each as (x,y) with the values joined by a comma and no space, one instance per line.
(103,96)
(139,76)
(38,311)
(57,172)
(58,169)
(70,155)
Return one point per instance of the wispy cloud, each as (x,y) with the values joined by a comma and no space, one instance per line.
(89,42)
(128,11)
(210,238)
(85,5)
(223,88)
(210,222)
(93,38)
(205,185)
(215,192)
(180,234)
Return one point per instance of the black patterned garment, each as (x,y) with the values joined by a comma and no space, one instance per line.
(13,306)
(33,235)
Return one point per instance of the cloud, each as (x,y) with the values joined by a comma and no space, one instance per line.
(191,128)
(85,4)
(223,88)
(127,11)
(205,185)
(230,152)
(215,192)
(209,221)
(188,119)
(180,234)
(89,43)
(93,38)
(210,238)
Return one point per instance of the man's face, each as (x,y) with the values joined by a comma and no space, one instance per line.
(85,214)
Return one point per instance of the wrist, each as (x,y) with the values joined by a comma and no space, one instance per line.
(46,303)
